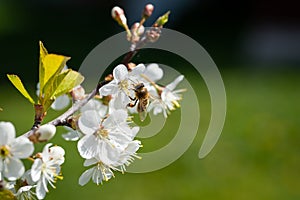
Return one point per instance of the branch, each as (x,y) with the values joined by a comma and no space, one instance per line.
(63,119)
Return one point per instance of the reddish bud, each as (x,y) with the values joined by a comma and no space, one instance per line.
(148,10)
(117,14)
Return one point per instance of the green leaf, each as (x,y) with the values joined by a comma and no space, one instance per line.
(16,81)
(43,53)
(61,84)
(66,81)
(49,66)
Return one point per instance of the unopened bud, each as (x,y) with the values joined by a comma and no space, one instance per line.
(45,132)
(78,93)
(136,31)
(148,10)
(137,28)
(117,14)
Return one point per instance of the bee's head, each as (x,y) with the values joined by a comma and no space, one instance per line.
(139,86)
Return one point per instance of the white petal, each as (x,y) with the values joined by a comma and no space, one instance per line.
(89,162)
(27,177)
(71,135)
(133,146)
(45,154)
(7,133)
(139,69)
(108,89)
(40,190)
(89,122)
(116,118)
(120,139)
(85,177)
(22,147)
(109,154)
(97,176)
(24,189)
(1,165)
(157,110)
(120,72)
(173,85)
(97,106)
(13,168)
(36,170)
(153,72)
(60,102)
(87,146)
(46,132)
(57,153)
(119,101)
(134,131)
(93,104)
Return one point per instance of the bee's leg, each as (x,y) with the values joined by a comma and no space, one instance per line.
(133,104)
(132,99)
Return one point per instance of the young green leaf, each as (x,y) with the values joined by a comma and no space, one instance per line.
(43,53)
(162,20)
(61,84)
(16,81)
(49,65)
(66,81)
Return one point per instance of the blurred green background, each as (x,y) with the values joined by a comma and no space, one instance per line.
(255,45)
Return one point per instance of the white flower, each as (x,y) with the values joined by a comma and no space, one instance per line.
(12,150)
(120,87)
(102,136)
(102,171)
(46,169)
(97,106)
(99,173)
(168,99)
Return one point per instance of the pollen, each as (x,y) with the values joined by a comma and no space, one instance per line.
(4,151)
(103,133)
(123,85)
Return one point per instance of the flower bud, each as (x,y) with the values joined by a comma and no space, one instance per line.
(137,28)
(136,31)
(78,93)
(45,132)
(117,14)
(148,10)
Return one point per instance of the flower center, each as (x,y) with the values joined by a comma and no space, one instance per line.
(103,133)
(123,85)
(4,151)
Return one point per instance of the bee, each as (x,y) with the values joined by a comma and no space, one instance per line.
(142,97)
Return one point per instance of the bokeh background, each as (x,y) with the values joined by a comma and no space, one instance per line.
(256,46)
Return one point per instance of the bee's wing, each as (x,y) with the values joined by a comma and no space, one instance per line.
(142,108)
(143,115)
